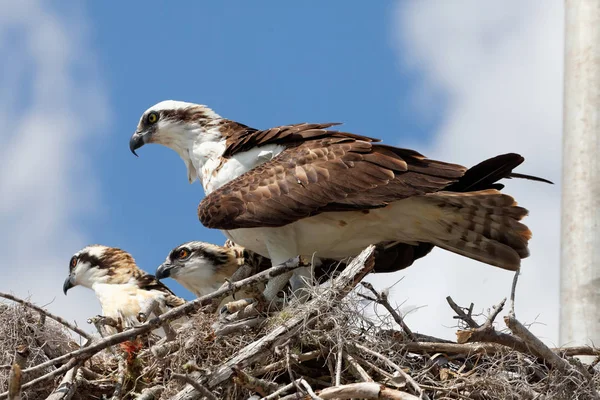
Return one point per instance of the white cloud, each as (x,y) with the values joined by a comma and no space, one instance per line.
(499,68)
(47,115)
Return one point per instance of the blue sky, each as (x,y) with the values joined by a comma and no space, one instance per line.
(459,81)
(263,66)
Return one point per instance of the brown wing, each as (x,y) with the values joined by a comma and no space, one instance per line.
(339,172)
(149,282)
(240,138)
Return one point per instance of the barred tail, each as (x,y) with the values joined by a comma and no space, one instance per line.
(482,225)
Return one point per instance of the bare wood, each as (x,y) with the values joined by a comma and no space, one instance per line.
(15,377)
(161,350)
(279,365)
(283,389)
(152,393)
(260,386)
(66,388)
(120,379)
(487,333)
(364,390)
(394,366)
(489,348)
(357,370)
(340,287)
(466,317)
(381,298)
(58,319)
(196,385)
(84,353)
(233,327)
(46,377)
(309,390)
(338,361)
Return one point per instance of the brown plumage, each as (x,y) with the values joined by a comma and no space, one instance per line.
(323,171)
(123,289)
(305,188)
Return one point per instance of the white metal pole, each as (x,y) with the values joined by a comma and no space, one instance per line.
(580,245)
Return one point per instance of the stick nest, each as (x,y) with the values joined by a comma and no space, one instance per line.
(321,349)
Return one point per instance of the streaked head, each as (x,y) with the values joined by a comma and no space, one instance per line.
(99,264)
(175,124)
(199,266)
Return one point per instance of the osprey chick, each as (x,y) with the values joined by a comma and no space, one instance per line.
(303,189)
(203,268)
(123,289)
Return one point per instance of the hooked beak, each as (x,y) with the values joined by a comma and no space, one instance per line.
(68,284)
(138,139)
(164,271)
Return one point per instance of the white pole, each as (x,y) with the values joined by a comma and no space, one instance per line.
(580,249)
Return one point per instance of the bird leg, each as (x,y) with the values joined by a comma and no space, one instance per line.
(267,297)
(300,282)
(276,284)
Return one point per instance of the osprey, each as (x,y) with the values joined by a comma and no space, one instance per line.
(123,289)
(203,268)
(304,189)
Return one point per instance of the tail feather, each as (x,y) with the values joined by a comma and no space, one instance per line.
(481,225)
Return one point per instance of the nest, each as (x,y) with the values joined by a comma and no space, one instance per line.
(321,348)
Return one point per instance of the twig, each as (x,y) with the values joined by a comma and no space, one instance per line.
(283,389)
(279,365)
(391,364)
(358,371)
(161,350)
(46,377)
(196,385)
(309,390)
(260,386)
(460,314)
(513,290)
(120,378)
(152,393)
(233,327)
(66,388)
(58,319)
(381,298)
(364,390)
(338,361)
(15,376)
(487,333)
(340,286)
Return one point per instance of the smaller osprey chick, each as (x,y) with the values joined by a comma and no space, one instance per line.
(203,268)
(123,289)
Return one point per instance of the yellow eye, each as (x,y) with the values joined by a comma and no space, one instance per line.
(183,253)
(73,262)
(152,118)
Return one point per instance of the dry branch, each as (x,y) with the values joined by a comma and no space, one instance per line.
(364,390)
(16,375)
(196,385)
(381,298)
(47,313)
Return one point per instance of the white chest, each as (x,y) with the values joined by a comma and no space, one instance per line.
(215,171)
(124,301)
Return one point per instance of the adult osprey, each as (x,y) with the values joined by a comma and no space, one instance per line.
(303,189)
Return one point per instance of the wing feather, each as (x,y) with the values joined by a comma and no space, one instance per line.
(332,173)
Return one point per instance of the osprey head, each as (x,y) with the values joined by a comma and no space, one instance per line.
(200,267)
(177,125)
(99,264)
